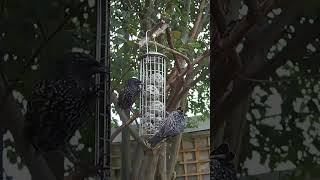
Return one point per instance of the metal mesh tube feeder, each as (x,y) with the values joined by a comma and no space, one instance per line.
(152,95)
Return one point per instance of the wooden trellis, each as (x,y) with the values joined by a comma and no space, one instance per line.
(193,159)
(192,163)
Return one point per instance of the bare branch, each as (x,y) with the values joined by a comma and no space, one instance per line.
(204,21)
(170,43)
(200,61)
(119,129)
(124,118)
(303,36)
(170,50)
(296,78)
(191,84)
(241,29)
(154,32)
(198,19)
(201,58)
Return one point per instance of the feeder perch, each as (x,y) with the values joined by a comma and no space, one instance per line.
(152,96)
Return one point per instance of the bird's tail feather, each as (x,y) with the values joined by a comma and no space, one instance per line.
(153,141)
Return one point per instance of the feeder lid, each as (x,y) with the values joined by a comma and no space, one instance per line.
(152,53)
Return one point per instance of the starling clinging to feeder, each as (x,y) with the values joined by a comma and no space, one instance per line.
(59,105)
(173,125)
(129,93)
(221,167)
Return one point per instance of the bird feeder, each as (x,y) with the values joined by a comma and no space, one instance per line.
(152,95)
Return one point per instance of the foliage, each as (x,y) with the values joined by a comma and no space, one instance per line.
(127,25)
(53,27)
(284,110)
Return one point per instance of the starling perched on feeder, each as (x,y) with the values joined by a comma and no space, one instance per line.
(59,105)
(129,93)
(173,125)
(221,167)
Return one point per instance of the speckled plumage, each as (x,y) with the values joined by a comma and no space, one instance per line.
(221,167)
(59,105)
(173,125)
(129,93)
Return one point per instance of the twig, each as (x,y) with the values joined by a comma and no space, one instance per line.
(170,50)
(170,43)
(119,129)
(238,32)
(198,19)
(204,20)
(199,60)
(191,84)
(123,117)
(202,57)
(155,32)
(242,77)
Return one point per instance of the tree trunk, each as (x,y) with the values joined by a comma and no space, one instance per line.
(137,161)
(162,165)
(235,124)
(125,151)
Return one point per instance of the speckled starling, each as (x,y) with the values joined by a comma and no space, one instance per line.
(129,93)
(173,125)
(221,167)
(59,105)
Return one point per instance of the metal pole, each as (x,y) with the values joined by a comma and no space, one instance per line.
(103,117)
(1,156)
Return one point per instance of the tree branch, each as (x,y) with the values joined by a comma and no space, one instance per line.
(204,20)
(123,117)
(156,31)
(170,43)
(198,19)
(303,36)
(170,50)
(296,78)
(119,129)
(238,32)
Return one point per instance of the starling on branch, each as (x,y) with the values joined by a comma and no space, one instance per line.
(221,167)
(129,93)
(59,105)
(173,125)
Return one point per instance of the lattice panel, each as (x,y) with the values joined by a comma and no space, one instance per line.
(193,160)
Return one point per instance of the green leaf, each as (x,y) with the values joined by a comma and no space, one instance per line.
(176,34)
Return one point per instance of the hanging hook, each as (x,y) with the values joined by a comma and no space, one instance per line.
(147,40)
